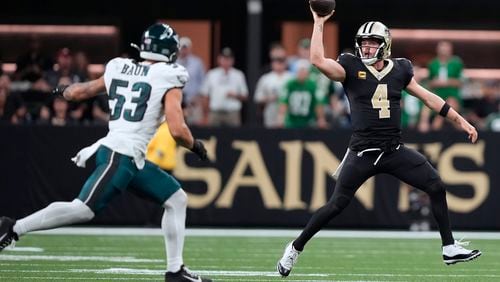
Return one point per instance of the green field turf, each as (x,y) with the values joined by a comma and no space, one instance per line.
(141,258)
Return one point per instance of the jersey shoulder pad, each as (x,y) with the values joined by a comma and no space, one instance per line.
(116,64)
(404,62)
(406,67)
(346,57)
(348,61)
(118,61)
(173,74)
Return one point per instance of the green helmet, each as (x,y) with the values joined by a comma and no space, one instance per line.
(159,42)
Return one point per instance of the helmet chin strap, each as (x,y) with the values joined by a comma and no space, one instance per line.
(369,61)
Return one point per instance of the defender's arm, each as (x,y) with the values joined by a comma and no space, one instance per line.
(81,91)
(177,125)
(175,118)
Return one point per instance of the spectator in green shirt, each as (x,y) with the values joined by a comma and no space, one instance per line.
(300,106)
(445,74)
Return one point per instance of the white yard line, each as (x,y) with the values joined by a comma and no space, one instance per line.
(248,274)
(45,278)
(196,232)
(5,257)
(25,249)
(132,271)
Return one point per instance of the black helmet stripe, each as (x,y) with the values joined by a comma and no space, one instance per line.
(371,26)
(366,25)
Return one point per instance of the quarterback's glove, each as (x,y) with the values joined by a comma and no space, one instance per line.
(59,90)
(199,149)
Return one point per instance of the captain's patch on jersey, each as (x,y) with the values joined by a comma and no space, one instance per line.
(361,74)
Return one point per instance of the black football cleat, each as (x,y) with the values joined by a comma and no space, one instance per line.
(457,253)
(7,235)
(184,275)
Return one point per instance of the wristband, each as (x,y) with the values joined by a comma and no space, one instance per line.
(444,110)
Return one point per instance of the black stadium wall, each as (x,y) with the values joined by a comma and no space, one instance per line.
(256,177)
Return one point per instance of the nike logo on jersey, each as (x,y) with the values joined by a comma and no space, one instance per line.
(192,279)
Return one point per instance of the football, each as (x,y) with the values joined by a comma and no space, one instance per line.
(322,7)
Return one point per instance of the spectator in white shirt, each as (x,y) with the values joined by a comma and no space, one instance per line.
(224,89)
(270,86)
(196,70)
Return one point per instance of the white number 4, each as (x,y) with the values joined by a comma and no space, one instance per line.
(379,101)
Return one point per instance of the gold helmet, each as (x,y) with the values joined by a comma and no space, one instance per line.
(378,31)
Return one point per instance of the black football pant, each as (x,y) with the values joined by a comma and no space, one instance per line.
(406,164)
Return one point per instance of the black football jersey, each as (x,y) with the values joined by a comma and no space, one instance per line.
(374,98)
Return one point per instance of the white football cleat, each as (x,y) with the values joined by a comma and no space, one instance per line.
(288,260)
(457,253)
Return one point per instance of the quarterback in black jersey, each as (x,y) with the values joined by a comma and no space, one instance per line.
(373,82)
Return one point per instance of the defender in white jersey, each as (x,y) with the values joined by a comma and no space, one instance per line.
(140,94)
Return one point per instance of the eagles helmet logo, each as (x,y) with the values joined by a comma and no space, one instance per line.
(167,33)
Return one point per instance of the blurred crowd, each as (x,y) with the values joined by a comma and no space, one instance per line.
(25,94)
(291,93)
